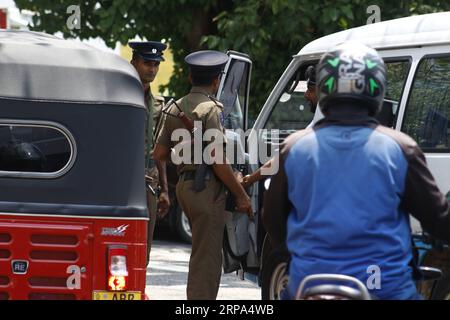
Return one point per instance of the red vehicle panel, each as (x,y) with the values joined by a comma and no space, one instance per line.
(55,247)
(3,19)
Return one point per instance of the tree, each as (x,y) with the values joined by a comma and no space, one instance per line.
(181,22)
(270,31)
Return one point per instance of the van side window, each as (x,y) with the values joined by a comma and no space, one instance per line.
(427,114)
(396,74)
(32,149)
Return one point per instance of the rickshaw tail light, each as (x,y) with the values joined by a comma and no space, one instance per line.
(118,271)
(117,283)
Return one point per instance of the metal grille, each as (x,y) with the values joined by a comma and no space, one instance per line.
(48,249)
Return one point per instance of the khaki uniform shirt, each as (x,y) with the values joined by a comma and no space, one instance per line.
(158,105)
(158,116)
(198,106)
(154,105)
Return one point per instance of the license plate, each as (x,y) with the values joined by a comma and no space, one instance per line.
(108,295)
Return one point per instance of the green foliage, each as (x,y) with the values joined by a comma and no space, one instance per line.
(270,31)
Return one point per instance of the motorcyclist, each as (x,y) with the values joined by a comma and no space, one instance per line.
(341,198)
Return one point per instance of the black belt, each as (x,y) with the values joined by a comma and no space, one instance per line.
(188,175)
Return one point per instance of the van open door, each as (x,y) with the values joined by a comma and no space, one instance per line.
(234,90)
(239,249)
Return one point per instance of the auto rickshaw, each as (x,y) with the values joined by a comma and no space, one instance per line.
(73,215)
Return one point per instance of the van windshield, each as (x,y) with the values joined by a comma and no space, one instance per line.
(292,111)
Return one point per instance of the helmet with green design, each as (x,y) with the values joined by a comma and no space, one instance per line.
(351,73)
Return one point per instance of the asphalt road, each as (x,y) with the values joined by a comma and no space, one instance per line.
(167,275)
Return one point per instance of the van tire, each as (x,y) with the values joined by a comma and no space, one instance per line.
(273,274)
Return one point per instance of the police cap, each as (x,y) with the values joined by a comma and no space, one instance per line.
(148,50)
(206,63)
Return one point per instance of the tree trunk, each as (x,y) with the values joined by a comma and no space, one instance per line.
(203,21)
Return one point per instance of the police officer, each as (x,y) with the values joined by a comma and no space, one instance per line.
(205,209)
(341,198)
(146,59)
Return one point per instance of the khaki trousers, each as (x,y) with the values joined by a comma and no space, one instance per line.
(206,213)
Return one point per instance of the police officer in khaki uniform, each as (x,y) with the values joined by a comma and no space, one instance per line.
(206,208)
(146,59)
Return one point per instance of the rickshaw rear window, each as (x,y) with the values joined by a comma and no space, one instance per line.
(33,149)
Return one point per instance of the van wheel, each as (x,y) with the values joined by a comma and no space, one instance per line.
(442,289)
(273,274)
(182,227)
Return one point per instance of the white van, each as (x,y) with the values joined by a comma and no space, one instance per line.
(416,51)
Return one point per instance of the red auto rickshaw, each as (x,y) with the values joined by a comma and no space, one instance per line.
(73,215)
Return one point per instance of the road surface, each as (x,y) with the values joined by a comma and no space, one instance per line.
(167,276)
